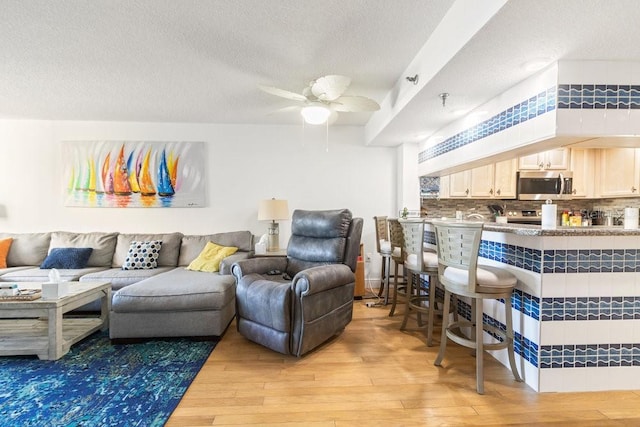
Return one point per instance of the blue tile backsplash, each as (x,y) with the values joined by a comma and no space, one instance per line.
(598,96)
(591,261)
(518,256)
(589,355)
(528,109)
(590,308)
(564,96)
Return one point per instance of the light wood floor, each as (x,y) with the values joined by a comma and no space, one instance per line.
(375,375)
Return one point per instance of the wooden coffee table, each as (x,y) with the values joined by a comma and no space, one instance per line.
(39,327)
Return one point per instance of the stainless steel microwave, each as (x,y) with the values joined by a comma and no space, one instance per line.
(543,185)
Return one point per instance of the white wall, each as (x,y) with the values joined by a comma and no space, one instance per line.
(408,183)
(244,165)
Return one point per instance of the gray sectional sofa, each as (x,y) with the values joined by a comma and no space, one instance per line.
(165,301)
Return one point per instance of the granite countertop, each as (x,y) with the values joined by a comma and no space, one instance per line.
(536,230)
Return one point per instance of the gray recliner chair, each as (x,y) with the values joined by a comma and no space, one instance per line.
(311,298)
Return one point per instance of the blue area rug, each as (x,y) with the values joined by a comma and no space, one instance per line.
(99,384)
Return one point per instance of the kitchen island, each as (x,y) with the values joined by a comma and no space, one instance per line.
(576,307)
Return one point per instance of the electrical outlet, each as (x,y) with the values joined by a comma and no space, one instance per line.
(368,259)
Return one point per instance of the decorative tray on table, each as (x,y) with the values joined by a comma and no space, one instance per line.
(23,295)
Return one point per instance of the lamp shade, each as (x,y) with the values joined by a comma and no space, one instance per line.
(273,210)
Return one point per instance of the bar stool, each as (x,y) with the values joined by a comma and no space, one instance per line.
(458,271)
(396,236)
(418,262)
(382,233)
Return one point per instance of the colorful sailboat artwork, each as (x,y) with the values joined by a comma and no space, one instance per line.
(144,178)
(134,174)
(107,175)
(165,188)
(133,168)
(121,185)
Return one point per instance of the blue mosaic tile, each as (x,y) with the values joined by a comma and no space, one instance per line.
(564,96)
(591,355)
(598,96)
(430,237)
(522,346)
(517,256)
(590,261)
(591,308)
(528,109)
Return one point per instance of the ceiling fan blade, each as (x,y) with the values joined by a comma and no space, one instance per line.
(354,104)
(286,109)
(282,93)
(331,87)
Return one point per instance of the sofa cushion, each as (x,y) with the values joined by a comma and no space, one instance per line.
(142,255)
(192,245)
(4,271)
(27,248)
(5,244)
(120,278)
(210,257)
(176,290)
(103,245)
(67,258)
(168,254)
(37,274)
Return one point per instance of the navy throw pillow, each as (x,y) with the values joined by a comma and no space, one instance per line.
(67,258)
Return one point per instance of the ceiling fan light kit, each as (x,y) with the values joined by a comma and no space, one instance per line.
(324,97)
(315,114)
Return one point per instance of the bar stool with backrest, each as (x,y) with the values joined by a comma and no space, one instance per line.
(419,262)
(396,236)
(458,244)
(382,233)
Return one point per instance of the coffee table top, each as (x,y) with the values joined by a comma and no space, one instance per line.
(76,290)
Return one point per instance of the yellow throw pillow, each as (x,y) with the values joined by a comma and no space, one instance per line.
(210,257)
(5,244)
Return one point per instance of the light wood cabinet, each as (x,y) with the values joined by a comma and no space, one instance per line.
(444,187)
(619,172)
(481,182)
(493,181)
(505,179)
(583,166)
(547,160)
(460,184)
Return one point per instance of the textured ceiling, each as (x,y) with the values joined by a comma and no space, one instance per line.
(198,61)
(201,61)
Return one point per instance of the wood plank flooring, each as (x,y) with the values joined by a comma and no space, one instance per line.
(375,375)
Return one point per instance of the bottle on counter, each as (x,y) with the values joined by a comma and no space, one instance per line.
(565,218)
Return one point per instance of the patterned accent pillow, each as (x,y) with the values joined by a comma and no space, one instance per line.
(67,258)
(142,255)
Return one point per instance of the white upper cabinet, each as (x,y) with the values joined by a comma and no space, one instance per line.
(547,160)
(619,172)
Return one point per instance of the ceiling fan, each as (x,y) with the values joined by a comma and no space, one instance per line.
(324,97)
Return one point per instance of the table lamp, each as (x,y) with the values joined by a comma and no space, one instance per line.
(273,210)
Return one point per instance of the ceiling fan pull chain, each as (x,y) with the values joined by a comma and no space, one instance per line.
(327,136)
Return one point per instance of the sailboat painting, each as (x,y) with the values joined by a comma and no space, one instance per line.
(133,174)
